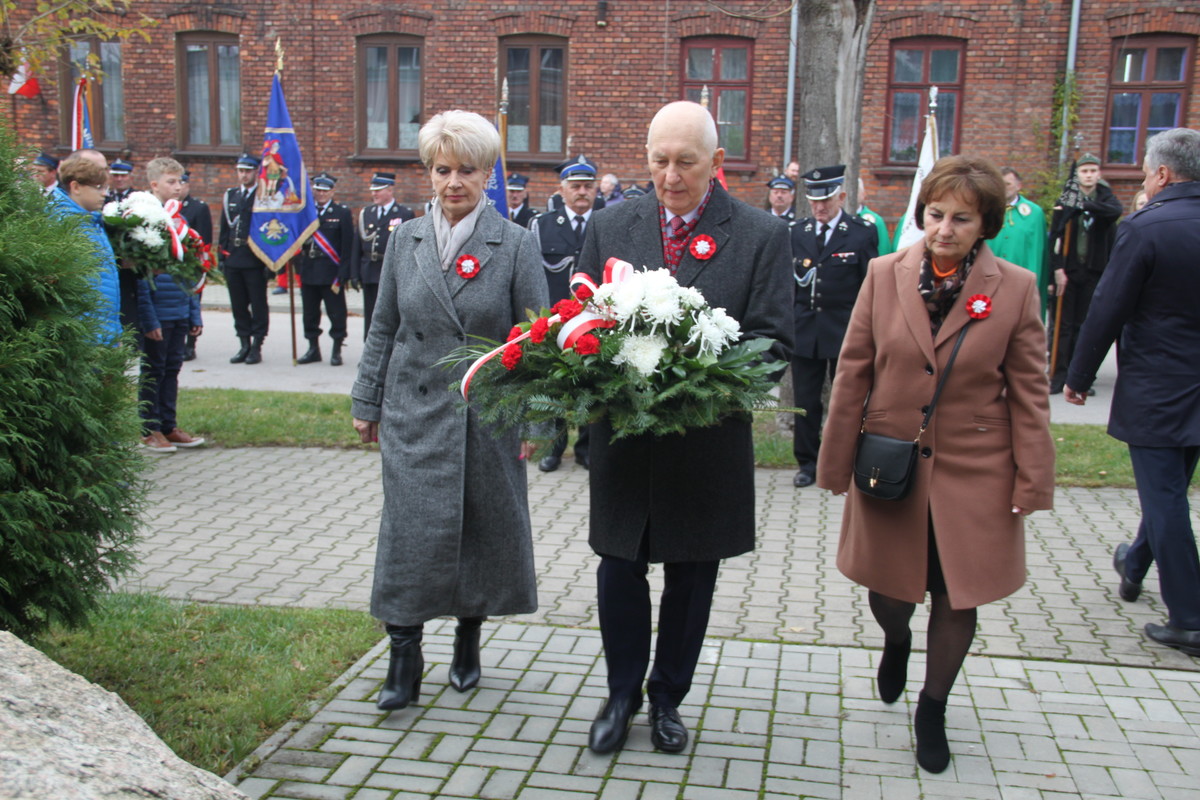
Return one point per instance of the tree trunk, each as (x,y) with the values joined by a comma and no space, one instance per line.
(830,68)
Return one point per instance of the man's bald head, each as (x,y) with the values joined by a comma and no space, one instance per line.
(681,147)
(685,116)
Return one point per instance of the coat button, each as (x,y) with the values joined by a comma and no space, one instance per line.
(422,389)
(420,336)
(926,452)
(928,369)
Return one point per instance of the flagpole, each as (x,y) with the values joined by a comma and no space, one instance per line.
(289,275)
(503,131)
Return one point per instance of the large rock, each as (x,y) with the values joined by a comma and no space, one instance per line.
(63,738)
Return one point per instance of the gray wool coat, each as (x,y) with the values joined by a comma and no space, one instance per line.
(692,495)
(454,538)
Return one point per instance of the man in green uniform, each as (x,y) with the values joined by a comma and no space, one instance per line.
(1022,240)
(867,215)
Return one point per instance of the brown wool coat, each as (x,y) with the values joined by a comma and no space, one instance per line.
(987,448)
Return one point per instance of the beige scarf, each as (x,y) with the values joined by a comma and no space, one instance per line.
(450,239)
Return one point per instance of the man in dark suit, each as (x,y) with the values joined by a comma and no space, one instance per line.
(198,216)
(519,209)
(245,273)
(1148,297)
(686,501)
(560,237)
(325,271)
(375,225)
(830,251)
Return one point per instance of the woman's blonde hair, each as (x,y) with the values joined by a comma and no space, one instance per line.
(462,135)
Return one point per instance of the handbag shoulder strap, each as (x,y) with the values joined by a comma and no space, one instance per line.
(936,392)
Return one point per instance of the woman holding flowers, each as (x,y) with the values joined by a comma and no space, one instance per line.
(455,536)
(985,460)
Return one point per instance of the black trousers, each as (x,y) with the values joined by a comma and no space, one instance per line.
(581,443)
(248,298)
(370,294)
(1077,299)
(311,297)
(808,382)
(624,606)
(158,394)
(1165,534)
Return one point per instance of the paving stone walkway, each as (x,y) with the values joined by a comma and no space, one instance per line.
(1061,698)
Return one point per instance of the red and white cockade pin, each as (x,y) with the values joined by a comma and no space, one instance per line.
(467,266)
(703,247)
(979,306)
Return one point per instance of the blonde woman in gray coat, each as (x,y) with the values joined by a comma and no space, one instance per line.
(454,538)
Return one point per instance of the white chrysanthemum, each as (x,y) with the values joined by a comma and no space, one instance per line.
(147,236)
(147,207)
(727,324)
(642,353)
(714,331)
(661,304)
(626,300)
(690,298)
(112,209)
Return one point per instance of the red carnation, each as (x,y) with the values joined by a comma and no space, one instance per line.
(583,292)
(587,345)
(511,356)
(566,309)
(514,333)
(537,332)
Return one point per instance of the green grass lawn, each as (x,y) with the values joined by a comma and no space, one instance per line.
(213,681)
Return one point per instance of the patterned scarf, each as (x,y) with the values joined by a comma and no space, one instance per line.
(674,241)
(940,297)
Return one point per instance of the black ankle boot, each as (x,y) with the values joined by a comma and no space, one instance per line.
(240,355)
(403,682)
(933,751)
(335,359)
(313,355)
(464,667)
(255,354)
(893,670)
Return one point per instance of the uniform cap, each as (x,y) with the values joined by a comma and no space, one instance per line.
(382,179)
(824,182)
(517,181)
(324,180)
(46,160)
(247,161)
(581,169)
(781,182)
(186,177)
(120,167)
(1089,158)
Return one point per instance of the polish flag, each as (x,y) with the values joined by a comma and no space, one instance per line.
(23,83)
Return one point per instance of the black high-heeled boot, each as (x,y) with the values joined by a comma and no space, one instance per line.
(933,751)
(403,682)
(464,667)
(893,670)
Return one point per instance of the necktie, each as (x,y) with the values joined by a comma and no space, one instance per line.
(579,224)
(824,234)
(677,224)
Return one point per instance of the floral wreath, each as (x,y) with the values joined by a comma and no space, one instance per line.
(979,306)
(703,247)
(467,266)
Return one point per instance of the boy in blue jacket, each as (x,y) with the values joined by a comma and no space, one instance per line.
(167,314)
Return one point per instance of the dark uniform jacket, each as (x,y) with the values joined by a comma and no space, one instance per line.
(114,196)
(560,246)
(524,215)
(235,230)
(788,216)
(1096,225)
(1150,297)
(827,281)
(374,228)
(691,495)
(198,217)
(316,267)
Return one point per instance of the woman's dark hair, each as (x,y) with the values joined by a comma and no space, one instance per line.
(971,177)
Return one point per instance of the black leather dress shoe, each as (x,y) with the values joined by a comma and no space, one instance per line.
(804,478)
(549,463)
(1129,590)
(611,725)
(1179,638)
(667,731)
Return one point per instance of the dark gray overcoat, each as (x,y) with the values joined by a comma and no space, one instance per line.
(692,495)
(455,537)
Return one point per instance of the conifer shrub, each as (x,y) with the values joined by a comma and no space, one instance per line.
(70,486)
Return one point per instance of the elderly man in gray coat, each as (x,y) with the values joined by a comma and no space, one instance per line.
(686,501)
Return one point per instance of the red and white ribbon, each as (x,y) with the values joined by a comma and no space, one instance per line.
(177,227)
(615,271)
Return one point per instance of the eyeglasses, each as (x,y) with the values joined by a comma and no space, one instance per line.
(103,189)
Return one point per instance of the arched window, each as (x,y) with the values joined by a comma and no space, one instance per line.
(209,75)
(389,94)
(536,70)
(914,66)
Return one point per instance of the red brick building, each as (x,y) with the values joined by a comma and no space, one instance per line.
(586,75)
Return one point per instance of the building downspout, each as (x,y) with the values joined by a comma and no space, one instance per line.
(1072,48)
(789,121)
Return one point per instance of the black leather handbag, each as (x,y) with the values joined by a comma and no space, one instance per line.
(884,466)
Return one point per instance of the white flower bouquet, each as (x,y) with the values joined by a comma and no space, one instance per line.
(152,238)
(650,354)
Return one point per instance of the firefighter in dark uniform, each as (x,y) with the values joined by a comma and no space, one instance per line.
(120,175)
(198,216)
(324,277)
(555,203)
(245,273)
(375,225)
(120,187)
(519,209)
(560,236)
(830,251)
(781,198)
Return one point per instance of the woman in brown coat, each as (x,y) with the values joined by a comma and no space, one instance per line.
(986,459)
